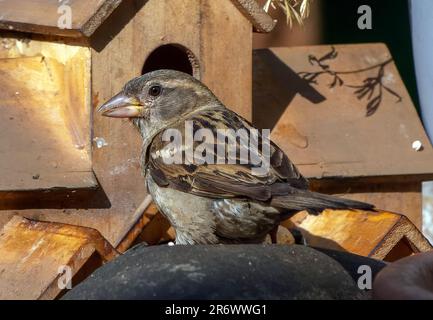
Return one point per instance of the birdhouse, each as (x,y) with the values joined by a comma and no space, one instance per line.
(380,235)
(344,117)
(59,60)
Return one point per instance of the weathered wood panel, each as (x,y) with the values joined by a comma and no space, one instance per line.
(34,256)
(343,114)
(45,117)
(158,230)
(118,170)
(372,234)
(42,16)
(325,130)
(117,165)
(226,46)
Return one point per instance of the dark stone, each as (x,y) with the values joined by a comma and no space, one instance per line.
(219,272)
(351,262)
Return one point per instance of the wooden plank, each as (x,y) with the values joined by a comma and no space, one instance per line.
(42,16)
(87,207)
(324,129)
(133,235)
(44,111)
(226,61)
(32,253)
(373,234)
(158,230)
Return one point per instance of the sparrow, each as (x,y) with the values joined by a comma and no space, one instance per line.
(229,200)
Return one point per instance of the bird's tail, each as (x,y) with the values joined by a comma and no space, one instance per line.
(315,202)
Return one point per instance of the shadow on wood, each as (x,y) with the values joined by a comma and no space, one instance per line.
(357,141)
(55,198)
(114,24)
(281,84)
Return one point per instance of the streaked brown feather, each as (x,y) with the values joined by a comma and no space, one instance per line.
(223,180)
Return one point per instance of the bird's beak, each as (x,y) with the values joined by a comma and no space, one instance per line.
(121,106)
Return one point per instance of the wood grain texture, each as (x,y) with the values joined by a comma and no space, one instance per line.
(41,16)
(88,209)
(45,116)
(33,252)
(133,235)
(117,165)
(371,234)
(226,46)
(158,230)
(325,131)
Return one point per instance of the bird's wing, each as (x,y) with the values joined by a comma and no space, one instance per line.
(260,179)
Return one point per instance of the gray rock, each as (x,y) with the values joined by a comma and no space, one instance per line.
(351,262)
(219,272)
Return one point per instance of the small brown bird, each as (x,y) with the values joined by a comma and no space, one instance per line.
(234,189)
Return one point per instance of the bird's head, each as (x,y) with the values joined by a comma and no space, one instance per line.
(157,99)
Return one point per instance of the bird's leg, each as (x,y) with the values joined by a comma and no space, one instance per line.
(273,234)
(298,236)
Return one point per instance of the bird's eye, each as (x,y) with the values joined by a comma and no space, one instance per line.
(155,91)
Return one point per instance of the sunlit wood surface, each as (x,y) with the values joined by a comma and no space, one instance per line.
(45,125)
(371,234)
(34,256)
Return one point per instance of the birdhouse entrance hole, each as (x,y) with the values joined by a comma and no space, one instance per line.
(174,57)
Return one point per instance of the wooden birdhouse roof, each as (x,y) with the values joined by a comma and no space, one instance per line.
(42,16)
(381,235)
(340,112)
